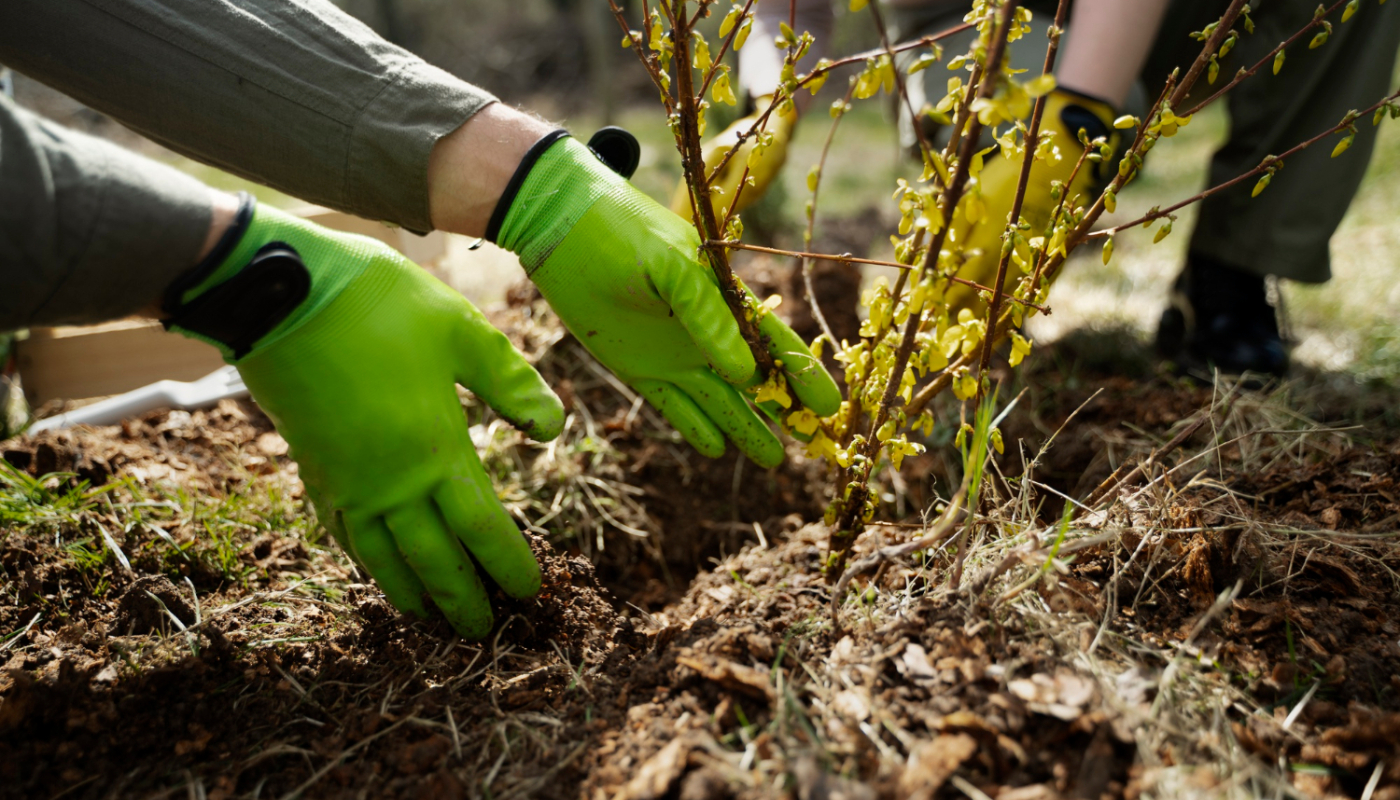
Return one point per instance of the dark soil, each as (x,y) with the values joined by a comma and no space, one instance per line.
(293,677)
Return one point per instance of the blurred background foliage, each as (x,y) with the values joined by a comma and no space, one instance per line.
(562,59)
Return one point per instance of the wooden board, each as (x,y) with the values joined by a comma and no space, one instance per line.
(98,360)
(80,362)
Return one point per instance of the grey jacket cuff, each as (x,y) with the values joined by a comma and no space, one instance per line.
(387,160)
(89,231)
(297,96)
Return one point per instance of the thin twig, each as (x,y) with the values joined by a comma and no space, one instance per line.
(1031,141)
(805,262)
(1267,59)
(915,44)
(1263,167)
(855,260)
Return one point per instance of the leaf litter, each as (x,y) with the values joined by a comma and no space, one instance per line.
(1223,627)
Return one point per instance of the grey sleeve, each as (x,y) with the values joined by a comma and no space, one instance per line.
(293,94)
(88,231)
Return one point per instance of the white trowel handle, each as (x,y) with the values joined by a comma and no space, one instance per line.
(205,392)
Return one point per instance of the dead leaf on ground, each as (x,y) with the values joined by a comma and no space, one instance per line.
(914,664)
(1063,696)
(659,773)
(854,703)
(729,674)
(931,763)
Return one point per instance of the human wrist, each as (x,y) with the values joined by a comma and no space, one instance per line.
(223,210)
(469,169)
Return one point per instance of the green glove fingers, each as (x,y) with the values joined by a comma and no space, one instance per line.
(731,412)
(490,366)
(807,378)
(685,416)
(471,510)
(373,547)
(436,557)
(695,297)
(624,274)
(354,352)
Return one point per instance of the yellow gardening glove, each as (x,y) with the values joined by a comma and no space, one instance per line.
(995,190)
(763,168)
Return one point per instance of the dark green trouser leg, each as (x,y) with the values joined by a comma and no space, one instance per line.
(1285,230)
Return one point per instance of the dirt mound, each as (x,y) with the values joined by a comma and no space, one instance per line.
(754,689)
(173,621)
(198,450)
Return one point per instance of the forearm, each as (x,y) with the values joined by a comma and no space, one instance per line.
(298,96)
(88,231)
(761,64)
(1108,43)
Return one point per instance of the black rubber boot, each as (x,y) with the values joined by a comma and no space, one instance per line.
(1220,318)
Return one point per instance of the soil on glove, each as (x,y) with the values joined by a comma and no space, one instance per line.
(181,627)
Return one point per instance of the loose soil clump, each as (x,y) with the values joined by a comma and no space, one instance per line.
(173,621)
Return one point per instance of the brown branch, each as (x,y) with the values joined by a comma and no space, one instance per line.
(1212,45)
(668,11)
(1262,168)
(1031,145)
(804,262)
(856,260)
(701,12)
(693,163)
(848,524)
(1268,58)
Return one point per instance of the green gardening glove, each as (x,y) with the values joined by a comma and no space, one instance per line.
(625,275)
(354,352)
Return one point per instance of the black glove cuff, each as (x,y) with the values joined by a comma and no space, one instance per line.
(613,146)
(617,148)
(1075,116)
(498,215)
(171,301)
(246,307)
(1078,95)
